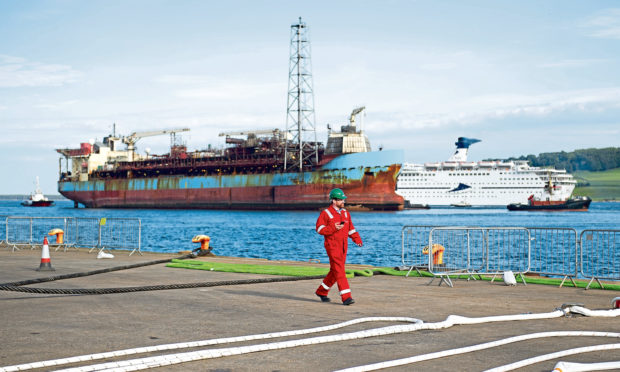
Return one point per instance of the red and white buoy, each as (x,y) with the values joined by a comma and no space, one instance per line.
(46,262)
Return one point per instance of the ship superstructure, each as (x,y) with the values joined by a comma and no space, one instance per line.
(458,181)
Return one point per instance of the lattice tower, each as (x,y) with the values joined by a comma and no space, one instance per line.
(302,147)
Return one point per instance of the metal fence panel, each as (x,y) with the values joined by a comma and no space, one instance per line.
(414,239)
(449,250)
(600,255)
(84,232)
(94,233)
(30,231)
(508,250)
(120,233)
(554,251)
(3,228)
(477,250)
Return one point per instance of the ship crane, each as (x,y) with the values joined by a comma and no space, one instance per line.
(354,113)
(131,139)
(250,134)
(275,132)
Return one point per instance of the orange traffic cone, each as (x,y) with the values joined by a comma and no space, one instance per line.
(46,262)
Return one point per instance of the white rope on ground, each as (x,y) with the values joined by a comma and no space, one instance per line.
(158,361)
(483,346)
(184,345)
(419,358)
(559,354)
(581,367)
(165,360)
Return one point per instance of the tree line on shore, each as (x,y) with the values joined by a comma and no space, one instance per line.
(593,160)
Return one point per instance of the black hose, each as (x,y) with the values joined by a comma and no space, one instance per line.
(94,272)
(92,291)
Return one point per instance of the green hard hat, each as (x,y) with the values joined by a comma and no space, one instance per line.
(337,194)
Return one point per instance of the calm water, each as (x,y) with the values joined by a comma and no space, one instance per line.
(290,235)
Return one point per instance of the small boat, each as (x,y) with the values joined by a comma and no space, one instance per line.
(37,199)
(461,204)
(416,206)
(575,204)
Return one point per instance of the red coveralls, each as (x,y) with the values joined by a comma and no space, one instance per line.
(336,246)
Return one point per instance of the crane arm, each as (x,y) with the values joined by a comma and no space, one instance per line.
(135,136)
(247,132)
(354,113)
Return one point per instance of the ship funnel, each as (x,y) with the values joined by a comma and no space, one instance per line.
(462,144)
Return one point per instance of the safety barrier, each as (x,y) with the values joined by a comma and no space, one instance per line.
(600,255)
(93,233)
(85,232)
(29,231)
(477,250)
(120,233)
(414,239)
(554,252)
(3,231)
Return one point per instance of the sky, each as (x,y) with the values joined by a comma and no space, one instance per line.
(525,77)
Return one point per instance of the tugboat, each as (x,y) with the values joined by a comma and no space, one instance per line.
(37,199)
(548,202)
(574,204)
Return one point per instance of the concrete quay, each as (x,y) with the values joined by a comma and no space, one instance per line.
(38,327)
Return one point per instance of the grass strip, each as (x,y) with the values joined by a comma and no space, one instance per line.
(260,269)
(286,270)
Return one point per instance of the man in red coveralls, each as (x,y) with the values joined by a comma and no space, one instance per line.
(335,225)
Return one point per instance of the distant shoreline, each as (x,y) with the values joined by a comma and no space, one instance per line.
(25,196)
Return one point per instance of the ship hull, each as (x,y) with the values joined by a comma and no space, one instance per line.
(571,205)
(369,188)
(40,203)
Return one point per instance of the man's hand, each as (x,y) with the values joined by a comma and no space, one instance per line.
(339,225)
(359,244)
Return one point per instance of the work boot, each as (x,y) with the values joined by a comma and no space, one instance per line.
(348,301)
(323,298)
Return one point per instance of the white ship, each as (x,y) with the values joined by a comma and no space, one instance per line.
(459,182)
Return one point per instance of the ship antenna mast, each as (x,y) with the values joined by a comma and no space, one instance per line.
(300,120)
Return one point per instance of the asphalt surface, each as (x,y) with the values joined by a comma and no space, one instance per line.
(37,327)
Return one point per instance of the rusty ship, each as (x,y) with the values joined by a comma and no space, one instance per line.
(252,171)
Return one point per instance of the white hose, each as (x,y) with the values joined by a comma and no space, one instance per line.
(158,361)
(559,354)
(184,345)
(165,360)
(580,367)
(468,349)
(595,313)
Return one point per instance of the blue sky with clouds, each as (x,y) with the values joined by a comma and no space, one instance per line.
(525,77)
